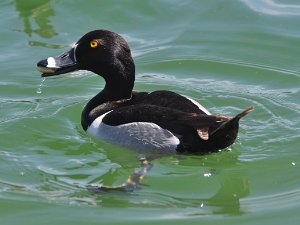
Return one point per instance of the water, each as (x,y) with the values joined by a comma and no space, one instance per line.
(39,89)
(226,54)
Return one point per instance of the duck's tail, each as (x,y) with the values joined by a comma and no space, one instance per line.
(233,120)
(243,113)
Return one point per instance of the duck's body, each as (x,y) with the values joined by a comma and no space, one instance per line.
(158,121)
(153,121)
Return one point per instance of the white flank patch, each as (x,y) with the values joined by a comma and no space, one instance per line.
(137,135)
(201,107)
(51,62)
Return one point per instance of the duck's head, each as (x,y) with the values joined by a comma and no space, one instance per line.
(100,51)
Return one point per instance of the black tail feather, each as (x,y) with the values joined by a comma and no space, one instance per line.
(244,113)
(233,119)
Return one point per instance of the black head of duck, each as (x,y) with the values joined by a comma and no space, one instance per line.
(159,121)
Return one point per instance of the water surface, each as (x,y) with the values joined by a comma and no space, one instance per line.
(227,55)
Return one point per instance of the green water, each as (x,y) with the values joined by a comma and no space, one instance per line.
(226,54)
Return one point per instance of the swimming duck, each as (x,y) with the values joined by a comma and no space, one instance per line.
(159,121)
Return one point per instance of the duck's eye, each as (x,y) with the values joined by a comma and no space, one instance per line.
(94,43)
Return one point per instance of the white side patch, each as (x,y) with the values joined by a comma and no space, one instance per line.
(137,135)
(51,62)
(201,107)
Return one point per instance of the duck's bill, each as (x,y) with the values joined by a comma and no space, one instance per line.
(61,64)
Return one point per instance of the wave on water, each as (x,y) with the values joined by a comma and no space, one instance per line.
(273,8)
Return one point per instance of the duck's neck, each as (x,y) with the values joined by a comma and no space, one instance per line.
(115,89)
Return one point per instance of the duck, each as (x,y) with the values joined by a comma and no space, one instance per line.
(161,121)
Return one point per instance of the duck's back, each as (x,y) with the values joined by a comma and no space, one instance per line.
(172,100)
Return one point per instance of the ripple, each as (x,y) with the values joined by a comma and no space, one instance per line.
(288,199)
(273,8)
(15,109)
(227,61)
(58,178)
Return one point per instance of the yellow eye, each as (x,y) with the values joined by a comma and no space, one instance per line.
(94,43)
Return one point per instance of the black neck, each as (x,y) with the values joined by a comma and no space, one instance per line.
(117,87)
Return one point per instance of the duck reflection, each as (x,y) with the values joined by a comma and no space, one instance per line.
(233,186)
(227,200)
(39,11)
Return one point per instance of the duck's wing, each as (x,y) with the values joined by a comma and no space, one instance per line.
(171,100)
(177,122)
